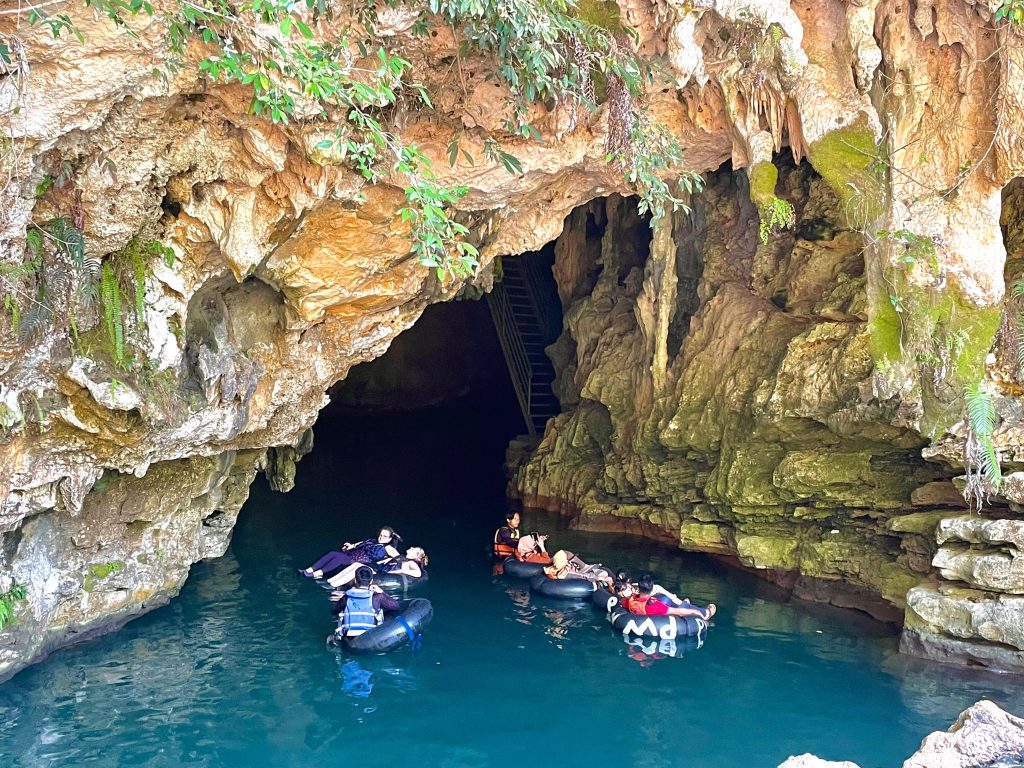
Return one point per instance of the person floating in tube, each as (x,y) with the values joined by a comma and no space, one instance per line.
(531,549)
(506,539)
(566,565)
(365,552)
(641,601)
(362,608)
(411,564)
(623,581)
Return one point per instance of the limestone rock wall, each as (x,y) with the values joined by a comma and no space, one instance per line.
(720,394)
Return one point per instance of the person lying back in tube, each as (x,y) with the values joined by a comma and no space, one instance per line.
(365,552)
(659,592)
(641,601)
(566,565)
(411,564)
(531,549)
(362,607)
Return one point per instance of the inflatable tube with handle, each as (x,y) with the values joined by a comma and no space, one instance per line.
(521,570)
(661,627)
(574,588)
(400,583)
(402,628)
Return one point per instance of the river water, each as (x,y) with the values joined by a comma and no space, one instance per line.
(235,672)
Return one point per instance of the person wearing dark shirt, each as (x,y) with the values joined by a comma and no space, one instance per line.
(364,552)
(506,539)
(362,607)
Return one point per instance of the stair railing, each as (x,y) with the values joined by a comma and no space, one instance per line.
(534,279)
(519,368)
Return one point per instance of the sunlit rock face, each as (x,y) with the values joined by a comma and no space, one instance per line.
(718,390)
(983,735)
(719,393)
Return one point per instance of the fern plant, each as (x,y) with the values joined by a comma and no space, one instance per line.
(776,214)
(981,460)
(113,317)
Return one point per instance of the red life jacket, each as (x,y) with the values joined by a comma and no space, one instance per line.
(638,604)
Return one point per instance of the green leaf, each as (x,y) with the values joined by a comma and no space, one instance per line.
(511,163)
(44,185)
(981,411)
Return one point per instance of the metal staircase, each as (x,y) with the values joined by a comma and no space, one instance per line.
(526,323)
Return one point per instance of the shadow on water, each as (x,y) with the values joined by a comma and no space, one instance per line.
(235,671)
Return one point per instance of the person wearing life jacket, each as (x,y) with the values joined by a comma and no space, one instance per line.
(640,601)
(366,552)
(658,592)
(411,564)
(362,607)
(506,539)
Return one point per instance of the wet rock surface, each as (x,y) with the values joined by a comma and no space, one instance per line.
(984,736)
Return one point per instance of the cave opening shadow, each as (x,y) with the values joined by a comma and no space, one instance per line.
(415,439)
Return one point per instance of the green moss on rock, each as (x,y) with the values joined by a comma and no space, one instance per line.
(763,178)
(99,571)
(768,551)
(885,331)
(846,158)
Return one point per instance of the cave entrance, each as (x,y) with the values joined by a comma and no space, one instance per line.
(418,437)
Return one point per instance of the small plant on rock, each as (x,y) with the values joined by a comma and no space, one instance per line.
(15,594)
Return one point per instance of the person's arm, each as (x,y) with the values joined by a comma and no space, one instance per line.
(390,551)
(682,612)
(383,601)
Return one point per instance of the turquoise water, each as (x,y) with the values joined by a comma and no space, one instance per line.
(235,672)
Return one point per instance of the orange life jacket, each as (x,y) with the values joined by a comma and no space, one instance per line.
(502,549)
(637,604)
(533,557)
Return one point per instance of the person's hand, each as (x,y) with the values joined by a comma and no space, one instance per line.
(376,588)
(345,547)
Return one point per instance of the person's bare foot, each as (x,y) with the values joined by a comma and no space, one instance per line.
(712,609)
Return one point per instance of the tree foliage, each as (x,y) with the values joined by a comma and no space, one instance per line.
(292,52)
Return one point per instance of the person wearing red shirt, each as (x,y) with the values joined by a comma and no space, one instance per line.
(639,600)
